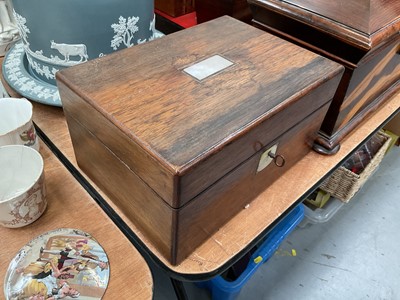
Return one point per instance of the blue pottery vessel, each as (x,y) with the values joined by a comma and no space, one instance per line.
(60,33)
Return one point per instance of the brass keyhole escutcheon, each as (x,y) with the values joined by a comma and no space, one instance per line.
(270,156)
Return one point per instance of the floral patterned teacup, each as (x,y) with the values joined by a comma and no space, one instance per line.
(16,127)
(22,188)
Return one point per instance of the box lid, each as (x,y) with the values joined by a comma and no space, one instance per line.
(363,23)
(197,130)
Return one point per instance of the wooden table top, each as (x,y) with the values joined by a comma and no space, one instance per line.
(242,230)
(70,206)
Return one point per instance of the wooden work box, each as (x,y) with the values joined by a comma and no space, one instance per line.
(175,8)
(181,154)
(207,10)
(362,35)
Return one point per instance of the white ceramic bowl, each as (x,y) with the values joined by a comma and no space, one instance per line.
(16,127)
(22,188)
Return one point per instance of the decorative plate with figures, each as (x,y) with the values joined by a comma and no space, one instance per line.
(60,264)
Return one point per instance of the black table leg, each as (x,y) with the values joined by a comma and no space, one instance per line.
(179,289)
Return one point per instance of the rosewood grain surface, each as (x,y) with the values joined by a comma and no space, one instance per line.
(367,16)
(246,226)
(367,43)
(361,23)
(375,76)
(69,206)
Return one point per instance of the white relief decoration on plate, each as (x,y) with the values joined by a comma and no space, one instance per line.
(66,50)
(140,41)
(21,24)
(125,29)
(23,82)
(157,35)
(154,33)
(43,71)
(124,32)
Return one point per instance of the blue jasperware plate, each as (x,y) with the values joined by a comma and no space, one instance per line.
(16,73)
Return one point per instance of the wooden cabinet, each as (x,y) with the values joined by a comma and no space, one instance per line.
(362,35)
(185,131)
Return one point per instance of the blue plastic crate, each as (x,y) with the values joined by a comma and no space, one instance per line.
(223,289)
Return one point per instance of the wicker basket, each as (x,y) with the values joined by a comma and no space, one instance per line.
(344,184)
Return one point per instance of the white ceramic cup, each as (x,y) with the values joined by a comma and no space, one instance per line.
(16,127)
(22,187)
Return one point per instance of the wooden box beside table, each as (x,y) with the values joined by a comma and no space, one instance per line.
(363,35)
(181,151)
(70,206)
